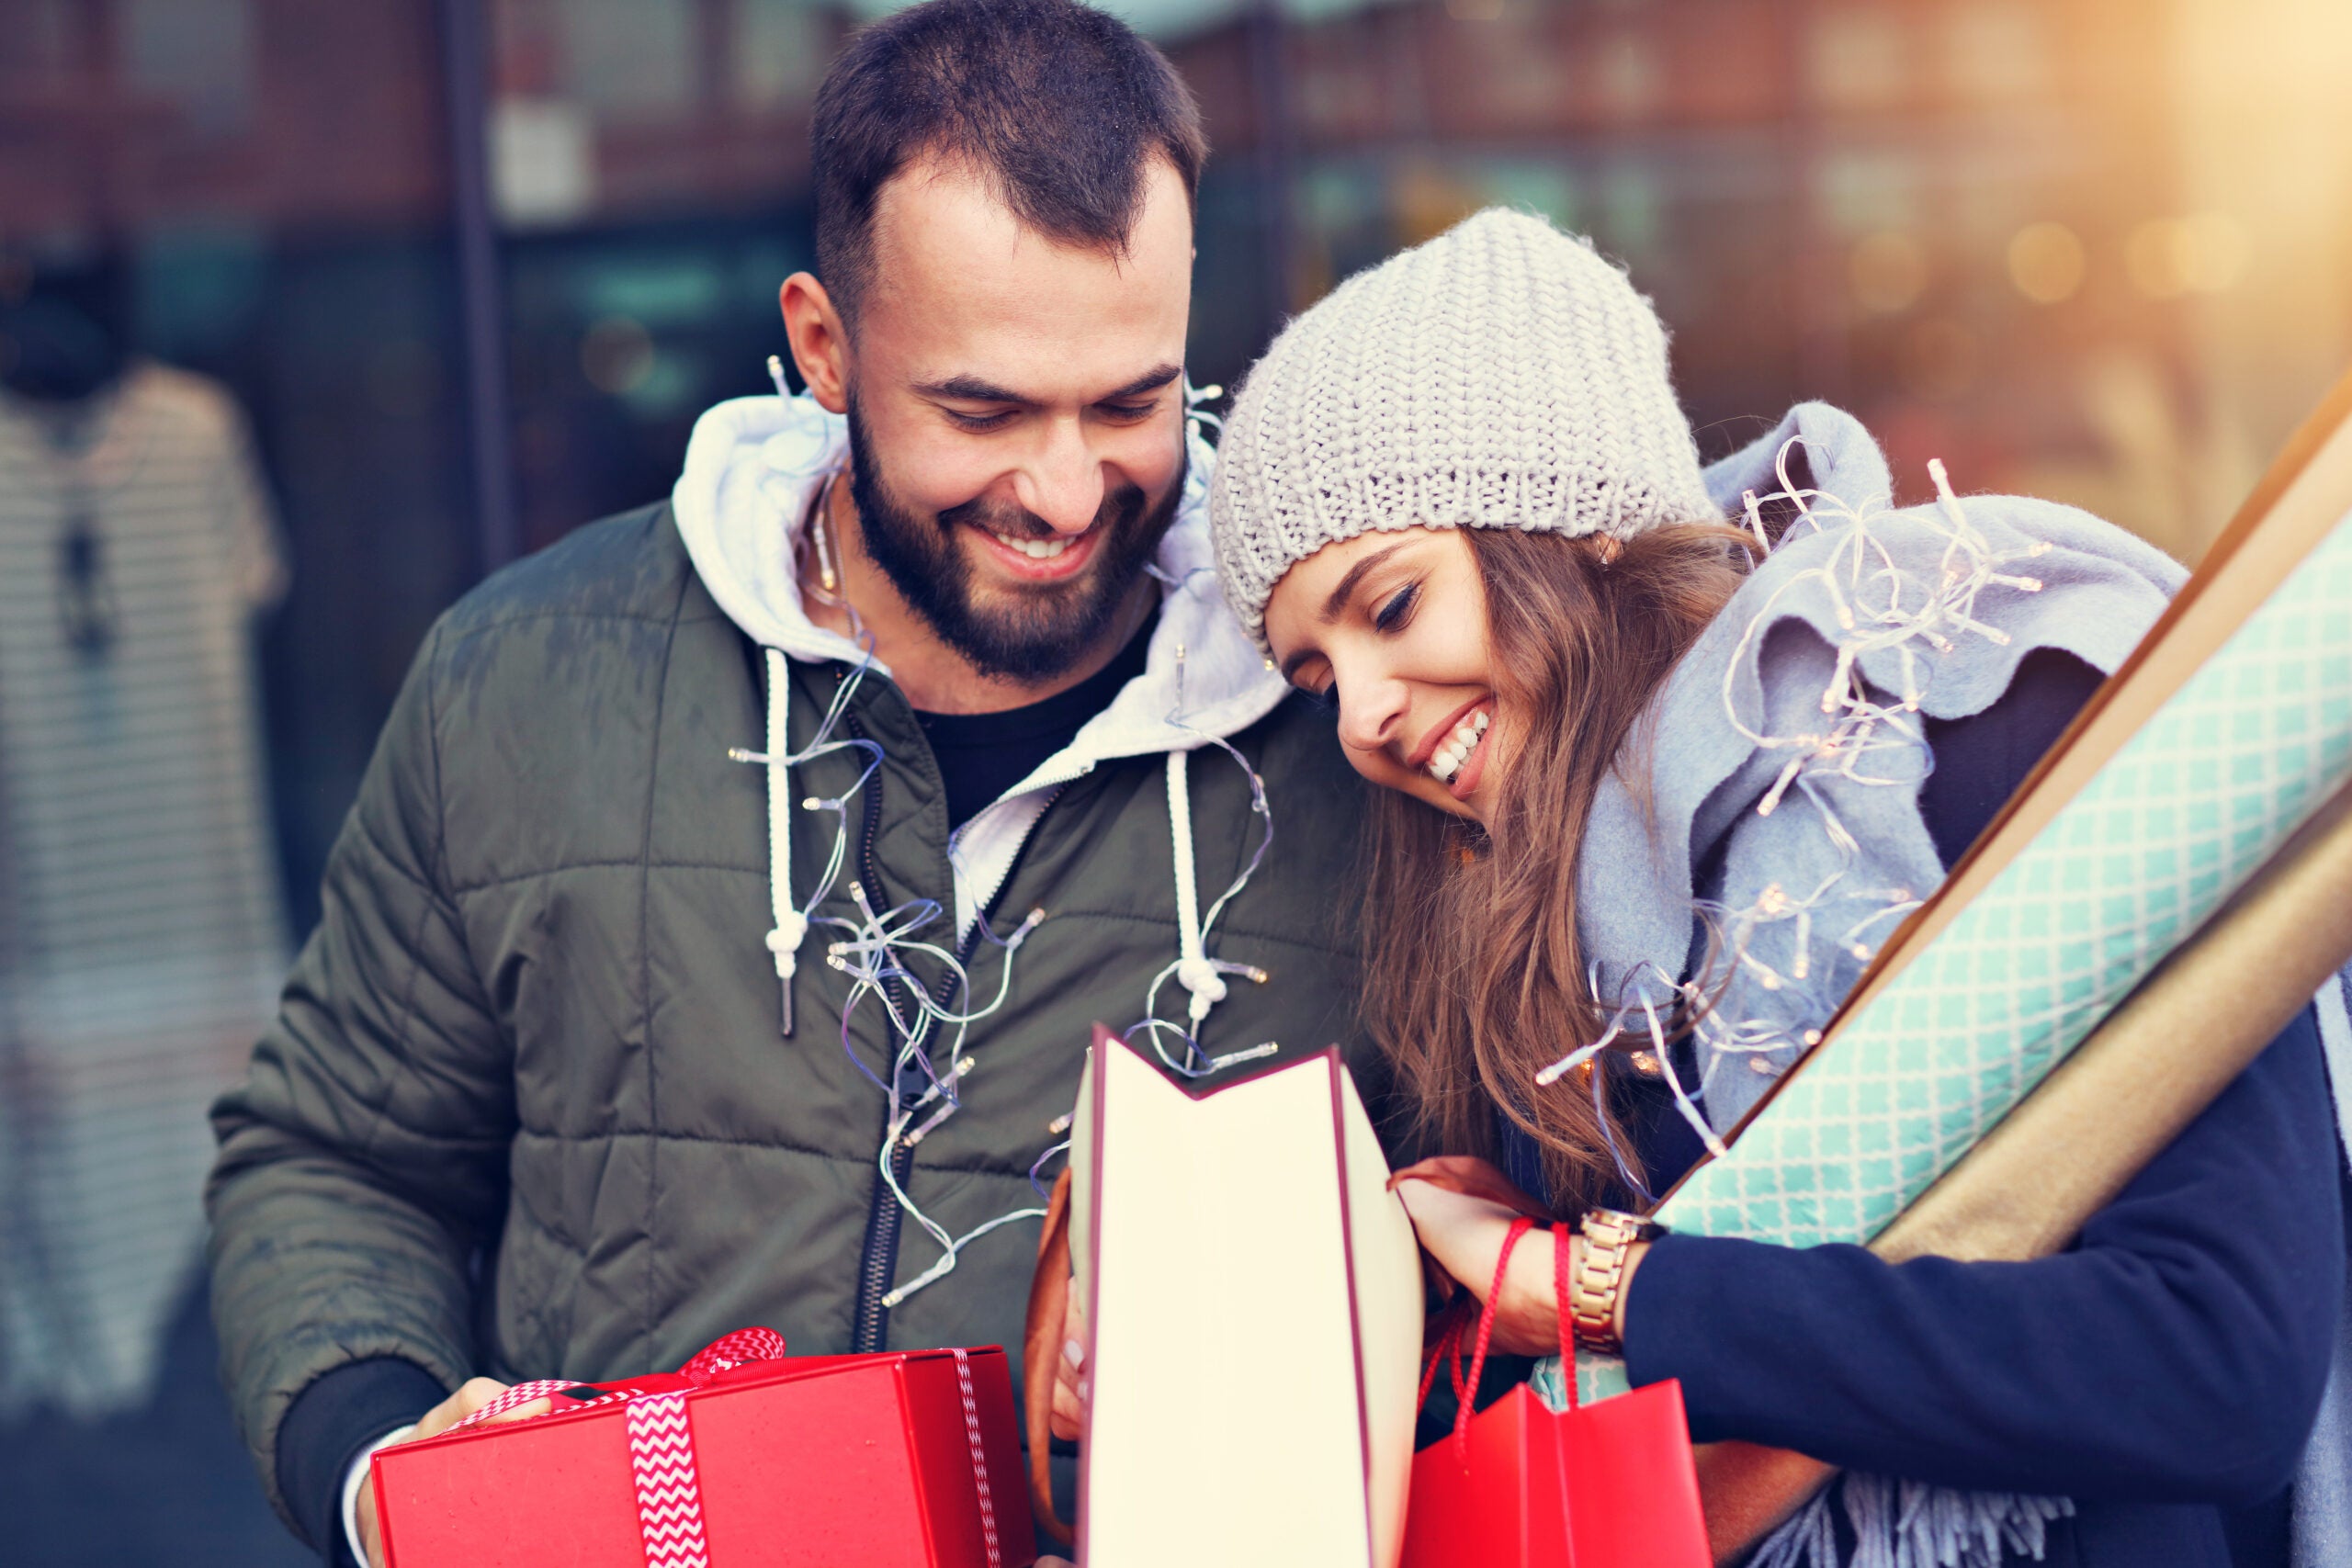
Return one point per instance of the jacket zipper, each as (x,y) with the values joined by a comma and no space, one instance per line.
(870,1324)
(871,1320)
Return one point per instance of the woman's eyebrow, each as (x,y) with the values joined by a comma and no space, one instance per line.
(1337,602)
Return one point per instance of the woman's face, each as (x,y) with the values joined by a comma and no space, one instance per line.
(1391,626)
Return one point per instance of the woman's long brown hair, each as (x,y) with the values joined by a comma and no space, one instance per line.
(1474,975)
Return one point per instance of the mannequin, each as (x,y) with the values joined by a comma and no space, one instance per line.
(140,934)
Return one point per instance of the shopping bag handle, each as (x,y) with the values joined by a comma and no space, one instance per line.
(1041,1345)
(1447,1349)
(1562,1245)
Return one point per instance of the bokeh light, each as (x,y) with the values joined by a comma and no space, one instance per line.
(2047,262)
(1889,271)
(2205,252)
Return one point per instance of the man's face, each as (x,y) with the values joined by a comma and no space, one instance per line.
(1016,416)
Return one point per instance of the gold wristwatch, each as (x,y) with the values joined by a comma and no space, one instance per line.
(1599,1275)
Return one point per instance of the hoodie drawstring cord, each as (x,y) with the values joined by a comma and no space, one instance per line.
(1194,972)
(791,925)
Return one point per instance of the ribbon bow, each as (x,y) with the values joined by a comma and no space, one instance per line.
(661,1444)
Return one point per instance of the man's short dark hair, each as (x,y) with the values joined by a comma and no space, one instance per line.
(1059,106)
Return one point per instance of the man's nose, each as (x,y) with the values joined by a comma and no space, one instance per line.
(1062,483)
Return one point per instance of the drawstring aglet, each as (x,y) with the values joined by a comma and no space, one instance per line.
(784,941)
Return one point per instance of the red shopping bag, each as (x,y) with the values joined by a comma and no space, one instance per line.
(908,1458)
(1605,1486)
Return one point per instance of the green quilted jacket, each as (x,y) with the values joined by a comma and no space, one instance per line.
(527,1109)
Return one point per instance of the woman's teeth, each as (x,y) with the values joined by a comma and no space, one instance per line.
(1036,549)
(1449,757)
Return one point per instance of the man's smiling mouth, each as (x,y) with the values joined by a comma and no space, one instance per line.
(1036,549)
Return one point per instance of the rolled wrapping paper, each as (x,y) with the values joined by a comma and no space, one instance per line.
(2176,821)
(2225,735)
(2099,1117)
(2152,1068)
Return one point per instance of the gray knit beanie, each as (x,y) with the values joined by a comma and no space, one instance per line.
(1501,376)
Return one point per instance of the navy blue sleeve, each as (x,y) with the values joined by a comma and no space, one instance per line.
(1981,760)
(328,1427)
(2176,1354)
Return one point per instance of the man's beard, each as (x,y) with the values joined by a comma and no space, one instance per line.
(1033,631)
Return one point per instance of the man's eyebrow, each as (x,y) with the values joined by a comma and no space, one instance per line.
(972,389)
(1151,380)
(1346,590)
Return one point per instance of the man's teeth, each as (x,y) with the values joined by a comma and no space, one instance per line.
(1036,549)
(1448,759)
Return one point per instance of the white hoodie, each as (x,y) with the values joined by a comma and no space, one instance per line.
(754,467)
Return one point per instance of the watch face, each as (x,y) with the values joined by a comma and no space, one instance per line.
(1637,1227)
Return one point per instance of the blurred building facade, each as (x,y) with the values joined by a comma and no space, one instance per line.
(2001,226)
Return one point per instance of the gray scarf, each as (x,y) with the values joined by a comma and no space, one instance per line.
(1800,895)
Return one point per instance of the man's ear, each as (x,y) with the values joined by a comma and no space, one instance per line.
(819,342)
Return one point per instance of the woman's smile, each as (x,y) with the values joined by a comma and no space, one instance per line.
(1452,752)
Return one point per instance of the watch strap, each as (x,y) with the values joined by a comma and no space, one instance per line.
(1598,1277)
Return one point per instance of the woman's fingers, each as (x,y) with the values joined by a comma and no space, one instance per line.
(1465,1233)
(1072,1384)
(1069,1387)
(1476,1178)
(1429,1203)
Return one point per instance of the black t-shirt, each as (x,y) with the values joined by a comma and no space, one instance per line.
(981,755)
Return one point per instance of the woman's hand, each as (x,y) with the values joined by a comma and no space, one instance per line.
(1070,1386)
(1466,1235)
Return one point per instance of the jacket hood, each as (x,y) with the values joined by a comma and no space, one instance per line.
(752,469)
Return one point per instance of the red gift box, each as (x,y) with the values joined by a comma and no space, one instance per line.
(742,1456)
(1611,1484)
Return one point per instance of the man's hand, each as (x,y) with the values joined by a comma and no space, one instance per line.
(475,1393)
